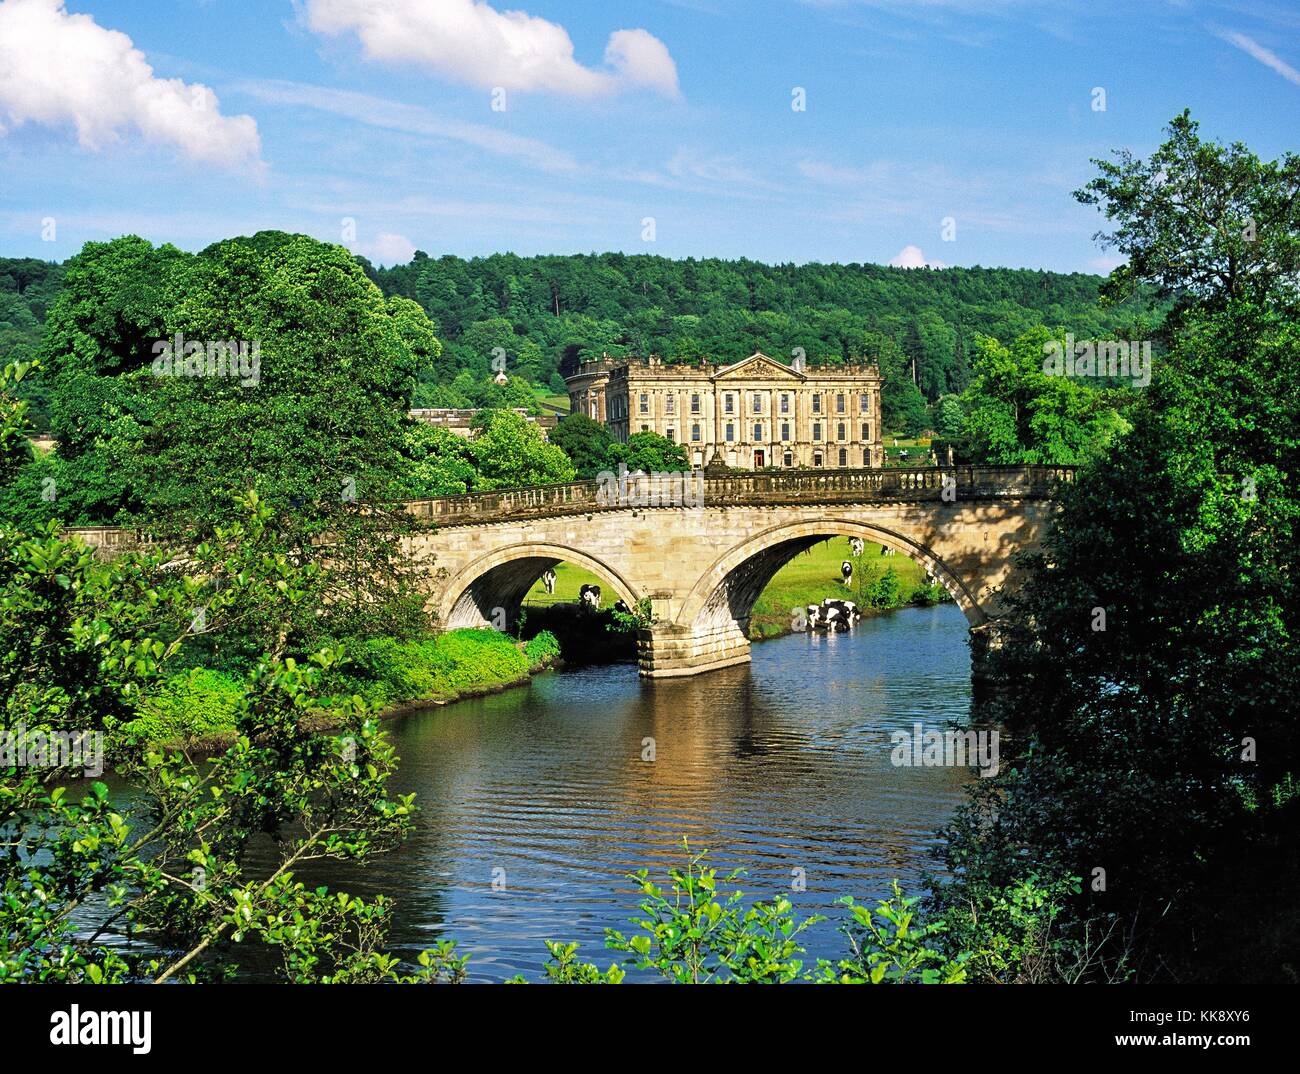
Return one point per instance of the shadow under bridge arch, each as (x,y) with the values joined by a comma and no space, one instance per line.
(490,590)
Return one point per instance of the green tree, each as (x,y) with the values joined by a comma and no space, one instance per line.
(84,642)
(586,442)
(1153,647)
(439,462)
(650,453)
(1016,413)
(511,453)
(1200,221)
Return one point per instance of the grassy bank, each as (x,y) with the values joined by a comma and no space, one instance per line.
(389,674)
(880,583)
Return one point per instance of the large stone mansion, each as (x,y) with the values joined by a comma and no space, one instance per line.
(752,414)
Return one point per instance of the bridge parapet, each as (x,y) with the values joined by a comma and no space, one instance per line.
(901,484)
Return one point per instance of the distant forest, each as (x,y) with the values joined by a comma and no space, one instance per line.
(545,314)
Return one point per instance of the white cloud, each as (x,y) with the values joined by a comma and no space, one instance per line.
(470,41)
(1265,56)
(388,249)
(62,70)
(911,257)
(641,59)
(410,119)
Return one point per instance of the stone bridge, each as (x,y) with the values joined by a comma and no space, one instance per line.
(702,557)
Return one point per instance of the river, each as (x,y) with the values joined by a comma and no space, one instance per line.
(536,802)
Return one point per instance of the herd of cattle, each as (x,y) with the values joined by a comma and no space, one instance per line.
(831,614)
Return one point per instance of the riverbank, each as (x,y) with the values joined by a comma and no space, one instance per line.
(198,708)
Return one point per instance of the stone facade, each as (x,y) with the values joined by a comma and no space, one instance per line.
(753,414)
(702,569)
(461,422)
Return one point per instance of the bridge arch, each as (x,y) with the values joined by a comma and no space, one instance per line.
(502,578)
(724,595)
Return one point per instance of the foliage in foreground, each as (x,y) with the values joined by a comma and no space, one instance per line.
(1152,651)
(694,932)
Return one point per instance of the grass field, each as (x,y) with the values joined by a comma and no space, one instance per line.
(806,579)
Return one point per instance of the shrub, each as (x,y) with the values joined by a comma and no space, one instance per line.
(195,704)
(541,648)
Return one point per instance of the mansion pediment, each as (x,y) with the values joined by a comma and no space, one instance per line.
(758,365)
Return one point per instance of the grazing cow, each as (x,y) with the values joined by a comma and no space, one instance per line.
(620,606)
(846,572)
(856,546)
(814,616)
(589,595)
(930,578)
(548,580)
(839,614)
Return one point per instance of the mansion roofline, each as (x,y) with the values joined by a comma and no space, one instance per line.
(655,366)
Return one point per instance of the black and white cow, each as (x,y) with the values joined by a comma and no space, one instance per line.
(839,614)
(846,571)
(856,545)
(548,580)
(589,595)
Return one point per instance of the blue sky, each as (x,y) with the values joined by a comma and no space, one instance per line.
(187,121)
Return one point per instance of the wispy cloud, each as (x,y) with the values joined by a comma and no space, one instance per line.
(1266,56)
(410,119)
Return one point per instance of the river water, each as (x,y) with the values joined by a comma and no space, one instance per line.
(536,803)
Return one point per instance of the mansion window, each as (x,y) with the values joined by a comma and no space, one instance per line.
(866,430)
(670,404)
(731,432)
(785,430)
(839,432)
(695,433)
(645,403)
(695,404)
(817,430)
(758,403)
(844,457)
(789,459)
(817,404)
(866,457)
(729,403)
(864,403)
(817,458)
(670,436)
(839,403)
(758,434)
(785,404)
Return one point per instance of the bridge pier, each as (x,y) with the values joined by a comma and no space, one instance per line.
(666,650)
